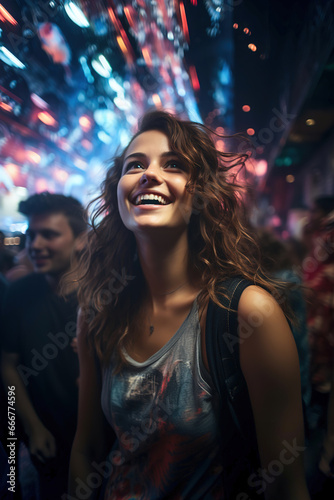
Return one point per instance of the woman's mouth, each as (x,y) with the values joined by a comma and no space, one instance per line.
(151,199)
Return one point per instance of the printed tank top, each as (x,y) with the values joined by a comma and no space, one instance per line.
(162,411)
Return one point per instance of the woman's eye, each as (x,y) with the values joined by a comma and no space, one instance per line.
(133,165)
(174,165)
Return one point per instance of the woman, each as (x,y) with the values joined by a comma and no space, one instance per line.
(168,231)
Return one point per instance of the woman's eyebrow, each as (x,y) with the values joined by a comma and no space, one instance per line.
(167,154)
(135,155)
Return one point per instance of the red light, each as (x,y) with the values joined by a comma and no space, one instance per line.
(194,78)
(13,170)
(60,175)
(250,131)
(33,157)
(156,100)
(235,26)
(63,144)
(128,16)
(6,107)
(147,56)
(41,185)
(121,44)
(85,123)
(247,31)
(260,168)
(5,16)
(47,119)
(252,47)
(220,145)
(246,108)
(184,21)
(85,143)
(276,221)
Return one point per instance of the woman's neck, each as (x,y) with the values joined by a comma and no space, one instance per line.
(165,265)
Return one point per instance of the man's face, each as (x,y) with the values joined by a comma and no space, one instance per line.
(50,243)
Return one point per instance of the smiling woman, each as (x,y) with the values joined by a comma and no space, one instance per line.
(152,189)
(169,246)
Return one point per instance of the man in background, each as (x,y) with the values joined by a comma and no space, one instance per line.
(40,325)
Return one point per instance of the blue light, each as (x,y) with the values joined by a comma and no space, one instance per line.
(101,66)
(76,15)
(7,57)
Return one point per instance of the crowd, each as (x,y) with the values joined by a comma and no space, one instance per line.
(120,338)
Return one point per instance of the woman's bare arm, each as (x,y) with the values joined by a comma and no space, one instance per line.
(269,361)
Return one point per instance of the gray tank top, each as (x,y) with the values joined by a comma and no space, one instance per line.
(167,432)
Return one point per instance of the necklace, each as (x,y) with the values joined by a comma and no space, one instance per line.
(151,328)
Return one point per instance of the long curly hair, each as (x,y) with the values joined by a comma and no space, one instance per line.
(220,243)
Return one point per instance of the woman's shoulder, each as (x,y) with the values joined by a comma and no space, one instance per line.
(254,298)
(269,338)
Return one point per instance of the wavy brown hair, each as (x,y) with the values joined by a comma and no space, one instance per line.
(220,244)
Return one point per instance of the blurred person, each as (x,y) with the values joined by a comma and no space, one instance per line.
(7,261)
(23,265)
(326,463)
(168,236)
(4,466)
(2,239)
(318,276)
(39,325)
(279,260)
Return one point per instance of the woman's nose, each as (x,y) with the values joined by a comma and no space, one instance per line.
(151,174)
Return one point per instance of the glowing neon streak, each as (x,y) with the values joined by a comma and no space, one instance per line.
(184,21)
(10,59)
(76,15)
(128,16)
(122,45)
(194,78)
(122,38)
(47,119)
(147,56)
(39,102)
(156,100)
(5,16)
(6,107)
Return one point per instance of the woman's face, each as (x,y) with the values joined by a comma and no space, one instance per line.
(152,189)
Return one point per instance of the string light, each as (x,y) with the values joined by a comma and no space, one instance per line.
(252,47)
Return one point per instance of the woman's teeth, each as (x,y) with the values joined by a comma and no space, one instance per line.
(150,199)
